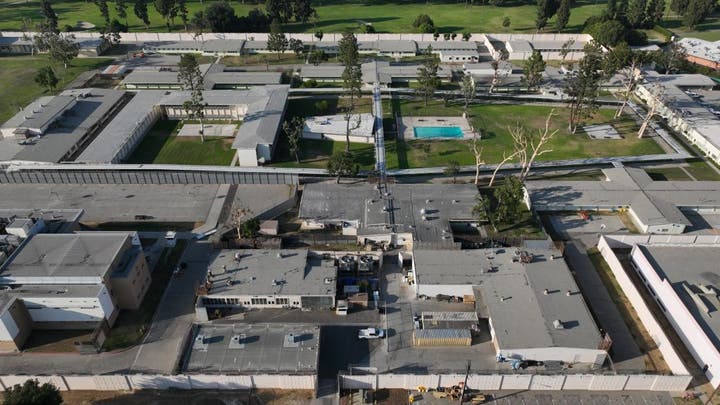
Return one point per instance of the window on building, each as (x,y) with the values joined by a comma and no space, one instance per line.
(259,301)
(282,301)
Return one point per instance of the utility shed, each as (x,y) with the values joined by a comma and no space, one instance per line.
(449,320)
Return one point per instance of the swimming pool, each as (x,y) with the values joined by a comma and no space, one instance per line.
(438,132)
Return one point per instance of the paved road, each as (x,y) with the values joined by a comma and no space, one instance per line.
(174,317)
(625,352)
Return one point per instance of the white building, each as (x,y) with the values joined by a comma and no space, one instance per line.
(334,128)
(684,281)
(534,308)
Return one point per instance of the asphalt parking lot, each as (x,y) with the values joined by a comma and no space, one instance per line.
(340,348)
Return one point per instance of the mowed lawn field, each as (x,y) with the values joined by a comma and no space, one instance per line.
(17,79)
(333,15)
(491,120)
(162,146)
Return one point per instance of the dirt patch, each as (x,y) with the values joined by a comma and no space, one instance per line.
(188,397)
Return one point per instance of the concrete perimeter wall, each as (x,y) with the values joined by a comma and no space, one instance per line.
(160,382)
(495,382)
(656,331)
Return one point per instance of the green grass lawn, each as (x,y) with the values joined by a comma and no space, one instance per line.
(668,174)
(17,78)
(702,171)
(493,120)
(162,146)
(131,326)
(333,16)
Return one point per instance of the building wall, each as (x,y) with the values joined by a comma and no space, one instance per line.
(15,327)
(68,310)
(691,333)
(130,290)
(246,157)
(566,354)
(703,62)
(336,137)
(255,301)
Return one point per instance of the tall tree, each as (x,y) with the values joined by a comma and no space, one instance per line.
(182,11)
(294,129)
(468,90)
(191,79)
(46,77)
(656,99)
(121,10)
(141,12)
(452,169)
(528,147)
(199,24)
(545,11)
(31,392)
(349,56)
(319,35)
(508,200)
(279,10)
(583,84)
(104,10)
(477,152)
(679,6)
(628,63)
(697,11)
(656,10)
(50,18)
(61,48)
(636,13)
(296,46)
(563,15)
(342,164)
(428,80)
(302,10)
(533,70)
(220,17)
(277,41)
(165,8)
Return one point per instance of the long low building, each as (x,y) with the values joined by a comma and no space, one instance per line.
(268,278)
(530,300)
(54,129)
(701,52)
(654,206)
(335,127)
(384,72)
(261,109)
(683,112)
(215,76)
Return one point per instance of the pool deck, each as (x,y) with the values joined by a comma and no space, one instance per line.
(406,125)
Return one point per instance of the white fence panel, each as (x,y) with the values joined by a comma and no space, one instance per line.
(391,381)
(516,382)
(358,382)
(448,380)
(485,382)
(412,381)
(235,381)
(671,383)
(305,382)
(578,381)
(10,380)
(111,382)
(81,383)
(158,382)
(547,382)
(608,382)
(640,382)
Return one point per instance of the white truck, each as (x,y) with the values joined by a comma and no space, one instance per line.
(371,333)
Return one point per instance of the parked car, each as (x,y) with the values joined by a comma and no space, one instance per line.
(371,333)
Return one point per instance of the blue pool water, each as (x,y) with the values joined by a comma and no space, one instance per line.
(438,132)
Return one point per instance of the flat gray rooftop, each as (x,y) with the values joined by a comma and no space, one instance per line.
(76,124)
(690,269)
(514,294)
(59,258)
(119,202)
(654,202)
(437,203)
(57,291)
(271,272)
(258,349)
